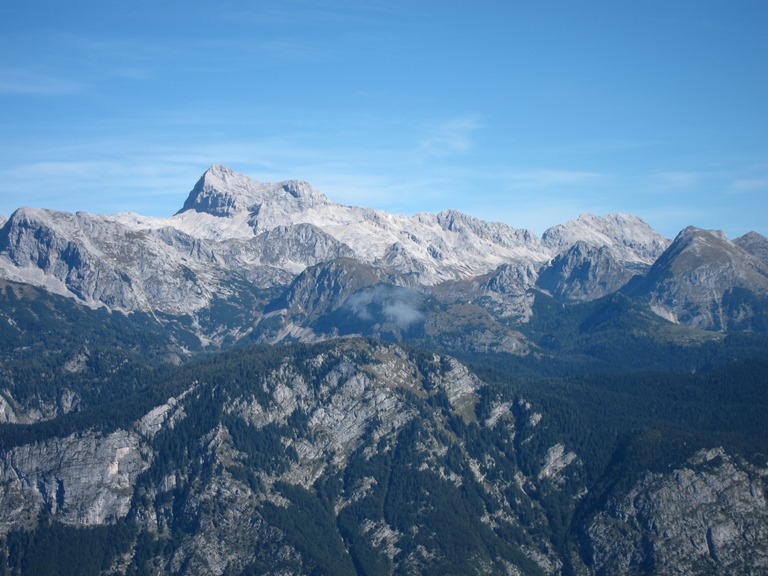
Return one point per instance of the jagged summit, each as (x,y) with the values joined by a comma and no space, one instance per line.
(461,223)
(223,192)
(225,205)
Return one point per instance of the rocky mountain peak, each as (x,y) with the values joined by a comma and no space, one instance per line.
(705,280)
(698,244)
(466,225)
(754,243)
(223,192)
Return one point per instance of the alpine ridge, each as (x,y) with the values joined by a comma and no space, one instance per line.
(237,243)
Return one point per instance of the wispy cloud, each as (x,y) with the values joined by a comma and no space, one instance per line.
(399,306)
(748,185)
(13,81)
(453,136)
(58,170)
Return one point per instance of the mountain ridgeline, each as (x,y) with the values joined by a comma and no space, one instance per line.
(269,382)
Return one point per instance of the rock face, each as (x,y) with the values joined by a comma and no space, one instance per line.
(81,480)
(708,517)
(506,292)
(332,437)
(103,263)
(222,193)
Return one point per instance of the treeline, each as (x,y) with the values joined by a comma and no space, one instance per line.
(54,548)
(598,415)
(36,323)
(615,334)
(122,392)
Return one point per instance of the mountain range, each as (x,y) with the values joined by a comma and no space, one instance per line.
(269,382)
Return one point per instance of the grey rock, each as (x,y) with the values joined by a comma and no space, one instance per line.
(709,516)
(505,292)
(223,193)
(81,480)
(585,272)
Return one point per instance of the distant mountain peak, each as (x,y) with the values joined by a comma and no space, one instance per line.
(706,281)
(696,232)
(631,237)
(702,243)
(615,217)
(584,272)
(222,192)
(754,243)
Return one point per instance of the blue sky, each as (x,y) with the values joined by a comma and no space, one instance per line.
(528,113)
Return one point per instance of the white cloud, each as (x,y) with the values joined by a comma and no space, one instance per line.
(402,313)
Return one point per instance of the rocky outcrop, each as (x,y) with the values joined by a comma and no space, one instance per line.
(36,409)
(102,263)
(505,292)
(707,517)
